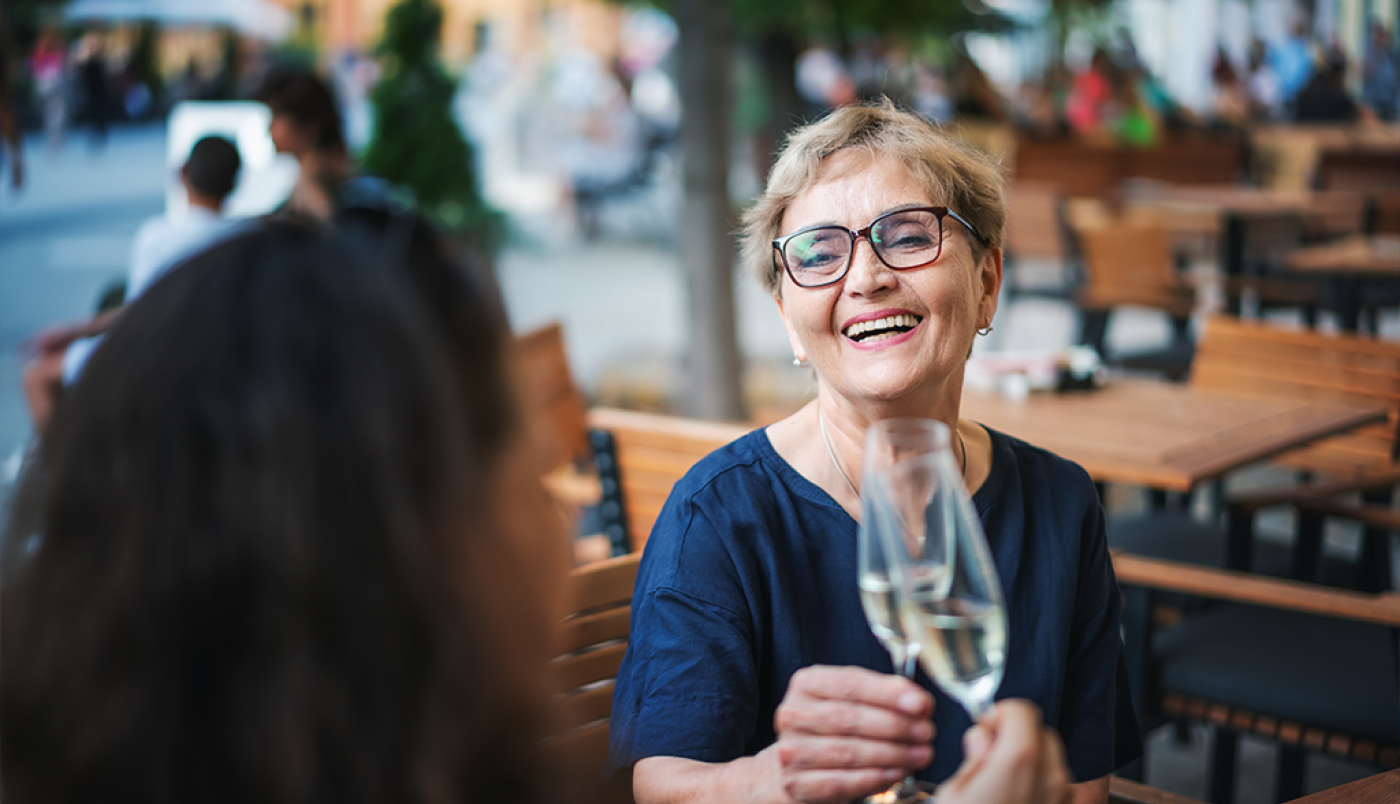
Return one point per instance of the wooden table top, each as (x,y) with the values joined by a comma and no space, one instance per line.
(1382,788)
(1360,256)
(1227,198)
(1162,435)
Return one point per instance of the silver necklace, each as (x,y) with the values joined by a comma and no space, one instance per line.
(821,423)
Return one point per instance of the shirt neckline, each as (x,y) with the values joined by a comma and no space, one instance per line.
(982,499)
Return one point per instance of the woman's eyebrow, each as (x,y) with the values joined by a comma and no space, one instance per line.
(896,208)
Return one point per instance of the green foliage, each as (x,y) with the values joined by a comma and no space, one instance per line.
(837,20)
(416,140)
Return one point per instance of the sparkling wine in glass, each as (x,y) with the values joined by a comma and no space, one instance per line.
(901,535)
(961,628)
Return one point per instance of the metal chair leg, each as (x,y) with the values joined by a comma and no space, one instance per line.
(1221,785)
(1292,767)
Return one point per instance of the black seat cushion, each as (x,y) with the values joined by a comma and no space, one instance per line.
(1170,536)
(1318,671)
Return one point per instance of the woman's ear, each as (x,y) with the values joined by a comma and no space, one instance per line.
(989,274)
(798,350)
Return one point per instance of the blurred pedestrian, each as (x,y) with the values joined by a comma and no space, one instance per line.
(95,78)
(1293,62)
(48,66)
(161,243)
(11,143)
(285,543)
(1265,94)
(1325,98)
(1229,102)
(1379,89)
(306,123)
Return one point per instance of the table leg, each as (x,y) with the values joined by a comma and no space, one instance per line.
(1232,259)
(1349,303)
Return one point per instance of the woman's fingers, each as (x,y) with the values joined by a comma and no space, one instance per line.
(808,753)
(839,787)
(859,684)
(826,717)
(846,732)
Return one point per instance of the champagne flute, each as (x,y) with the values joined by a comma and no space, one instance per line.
(899,489)
(961,628)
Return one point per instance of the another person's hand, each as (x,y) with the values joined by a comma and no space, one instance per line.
(1011,757)
(847,732)
(53,339)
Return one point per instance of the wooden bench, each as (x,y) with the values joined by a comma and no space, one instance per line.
(591,642)
(649,453)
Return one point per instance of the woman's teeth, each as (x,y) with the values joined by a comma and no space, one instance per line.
(882,328)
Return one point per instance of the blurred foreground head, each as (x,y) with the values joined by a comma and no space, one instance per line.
(266,559)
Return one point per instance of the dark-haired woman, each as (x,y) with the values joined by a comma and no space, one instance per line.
(282,543)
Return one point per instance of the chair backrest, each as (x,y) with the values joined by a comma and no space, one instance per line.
(1034,229)
(653,452)
(1131,265)
(591,642)
(1248,357)
(547,389)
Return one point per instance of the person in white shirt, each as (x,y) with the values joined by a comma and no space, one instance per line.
(162,242)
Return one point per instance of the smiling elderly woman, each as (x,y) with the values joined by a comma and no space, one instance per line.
(880,240)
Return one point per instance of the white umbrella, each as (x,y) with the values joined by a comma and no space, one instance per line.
(262,19)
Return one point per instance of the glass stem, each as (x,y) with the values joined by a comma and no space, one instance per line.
(979,709)
(904,659)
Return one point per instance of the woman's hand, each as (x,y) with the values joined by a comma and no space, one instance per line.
(847,732)
(1010,758)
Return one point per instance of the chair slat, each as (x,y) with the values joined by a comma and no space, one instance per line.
(589,706)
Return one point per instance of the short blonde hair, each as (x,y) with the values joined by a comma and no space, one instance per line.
(952,174)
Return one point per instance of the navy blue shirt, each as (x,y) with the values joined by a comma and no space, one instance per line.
(750,575)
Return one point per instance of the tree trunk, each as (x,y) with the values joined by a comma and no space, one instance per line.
(707,252)
(777,58)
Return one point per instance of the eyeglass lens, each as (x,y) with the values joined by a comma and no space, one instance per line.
(902,240)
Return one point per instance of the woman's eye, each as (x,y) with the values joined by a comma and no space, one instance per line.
(908,238)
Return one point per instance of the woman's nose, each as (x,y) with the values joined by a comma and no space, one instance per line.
(867,275)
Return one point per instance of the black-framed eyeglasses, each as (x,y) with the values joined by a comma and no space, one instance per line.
(903,239)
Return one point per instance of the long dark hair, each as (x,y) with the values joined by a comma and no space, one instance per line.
(263,566)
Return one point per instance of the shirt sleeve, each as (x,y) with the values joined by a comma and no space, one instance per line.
(1099,726)
(688,686)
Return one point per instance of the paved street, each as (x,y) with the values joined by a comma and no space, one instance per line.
(63,237)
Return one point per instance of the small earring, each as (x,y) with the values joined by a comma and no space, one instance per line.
(986,329)
(800,363)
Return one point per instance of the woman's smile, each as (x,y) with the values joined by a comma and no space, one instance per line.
(882,329)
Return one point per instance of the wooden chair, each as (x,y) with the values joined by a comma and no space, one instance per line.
(558,409)
(640,456)
(1242,357)
(557,419)
(1256,359)
(1036,239)
(1127,265)
(1312,668)
(1127,791)
(591,643)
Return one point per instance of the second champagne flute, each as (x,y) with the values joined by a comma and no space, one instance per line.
(899,489)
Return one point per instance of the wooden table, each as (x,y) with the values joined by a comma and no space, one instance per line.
(1234,207)
(1349,265)
(1162,435)
(1383,788)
